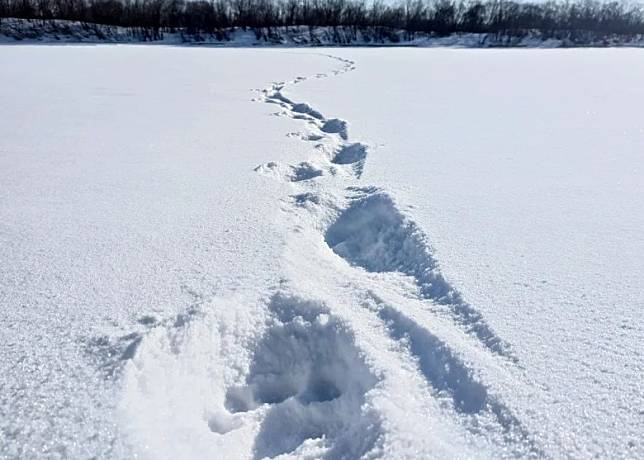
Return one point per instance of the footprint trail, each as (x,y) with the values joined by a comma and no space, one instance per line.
(381,246)
(361,341)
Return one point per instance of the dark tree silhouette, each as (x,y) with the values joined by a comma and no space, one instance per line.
(581,20)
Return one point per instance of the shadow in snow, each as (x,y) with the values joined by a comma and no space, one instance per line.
(450,376)
(304,171)
(373,234)
(336,126)
(310,373)
(351,154)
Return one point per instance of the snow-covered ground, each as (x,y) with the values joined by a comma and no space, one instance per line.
(525,168)
(127,197)
(379,253)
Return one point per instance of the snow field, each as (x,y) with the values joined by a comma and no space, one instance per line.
(127,197)
(363,350)
(189,274)
(522,167)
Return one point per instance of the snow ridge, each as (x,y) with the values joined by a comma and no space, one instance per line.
(373,234)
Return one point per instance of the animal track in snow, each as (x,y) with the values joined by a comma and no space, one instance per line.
(345,153)
(336,126)
(309,375)
(301,108)
(304,389)
(373,234)
(351,154)
(304,108)
(306,137)
(305,171)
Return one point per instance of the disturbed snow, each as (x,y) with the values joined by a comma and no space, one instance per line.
(229,284)
(524,169)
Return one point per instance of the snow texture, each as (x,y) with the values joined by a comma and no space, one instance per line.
(524,177)
(192,275)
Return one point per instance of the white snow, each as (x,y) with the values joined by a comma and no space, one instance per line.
(378,253)
(523,168)
(127,197)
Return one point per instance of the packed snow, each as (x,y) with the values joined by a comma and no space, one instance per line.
(320,253)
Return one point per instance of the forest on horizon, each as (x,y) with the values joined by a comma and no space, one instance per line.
(437,17)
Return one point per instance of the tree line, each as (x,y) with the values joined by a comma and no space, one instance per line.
(438,17)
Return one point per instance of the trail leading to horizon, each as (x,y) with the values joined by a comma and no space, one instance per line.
(362,338)
(241,253)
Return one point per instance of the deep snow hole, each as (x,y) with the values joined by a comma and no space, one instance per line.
(309,375)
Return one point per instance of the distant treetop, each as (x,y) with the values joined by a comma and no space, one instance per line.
(437,17)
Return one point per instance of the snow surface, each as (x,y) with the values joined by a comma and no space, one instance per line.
(524,168)
(127,197)
(385,253)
